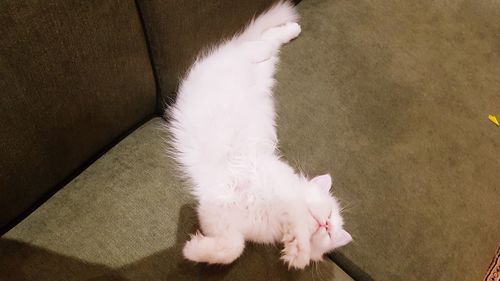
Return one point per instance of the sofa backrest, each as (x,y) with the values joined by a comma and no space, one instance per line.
(74,76)
(179,30)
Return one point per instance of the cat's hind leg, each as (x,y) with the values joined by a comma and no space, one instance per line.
(282,34)
(258,51)
(222,249)
(272,39)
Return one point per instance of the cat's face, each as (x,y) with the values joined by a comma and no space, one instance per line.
(326,224)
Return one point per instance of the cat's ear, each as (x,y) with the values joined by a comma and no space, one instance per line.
(323,181)
(340,239)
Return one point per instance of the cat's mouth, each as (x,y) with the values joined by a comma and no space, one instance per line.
(320,225)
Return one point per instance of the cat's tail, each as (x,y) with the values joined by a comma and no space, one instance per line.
(279,14)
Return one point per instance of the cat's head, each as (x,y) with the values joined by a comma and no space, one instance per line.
(325,220)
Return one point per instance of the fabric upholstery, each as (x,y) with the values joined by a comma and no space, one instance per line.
(178,31)
(392,98)
(126,217)
(74,75)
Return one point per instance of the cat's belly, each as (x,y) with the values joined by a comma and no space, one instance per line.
(262,235)
(252,210)
(262,224)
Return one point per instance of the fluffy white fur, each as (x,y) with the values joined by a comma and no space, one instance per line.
(223,126)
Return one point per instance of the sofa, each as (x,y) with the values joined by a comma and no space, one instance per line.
(390,97)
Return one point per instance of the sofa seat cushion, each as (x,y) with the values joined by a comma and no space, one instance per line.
(126,217)
(392,98)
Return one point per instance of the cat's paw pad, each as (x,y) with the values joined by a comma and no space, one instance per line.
(295,254)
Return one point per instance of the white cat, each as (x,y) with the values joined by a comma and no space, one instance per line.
(224,137)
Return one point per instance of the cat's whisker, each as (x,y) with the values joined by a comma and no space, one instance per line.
(316,269)
(321,274)
(347,206)
(312,271)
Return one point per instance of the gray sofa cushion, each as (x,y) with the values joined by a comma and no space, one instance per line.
(126,217)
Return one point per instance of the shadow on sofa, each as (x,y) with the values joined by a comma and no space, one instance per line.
(23,261)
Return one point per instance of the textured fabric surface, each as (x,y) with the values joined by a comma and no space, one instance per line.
(74,75)
(179,30)
(493,272)
(392,98)
(126,218)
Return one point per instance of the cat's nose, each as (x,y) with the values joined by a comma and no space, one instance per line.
(327,225)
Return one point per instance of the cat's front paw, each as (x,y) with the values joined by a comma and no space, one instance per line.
(296,253)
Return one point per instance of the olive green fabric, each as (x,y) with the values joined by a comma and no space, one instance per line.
(179,30)
(126,217)
(392,98)
(74,75)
